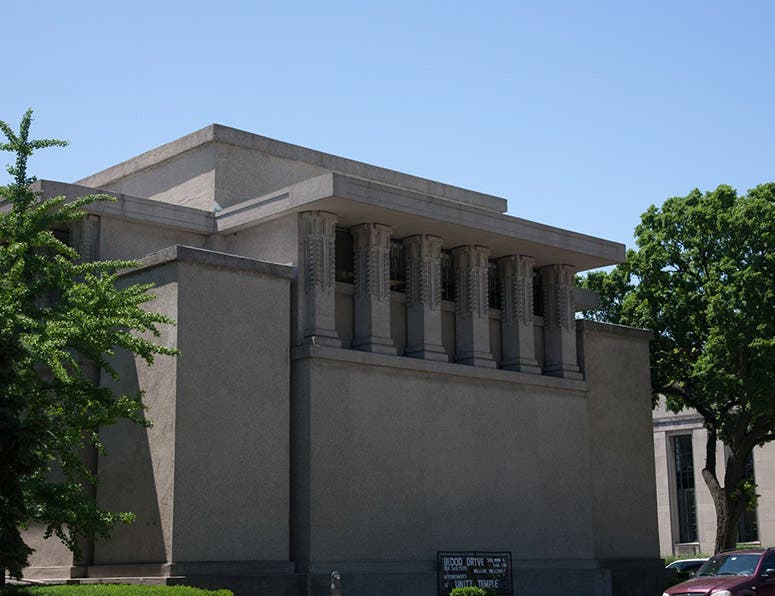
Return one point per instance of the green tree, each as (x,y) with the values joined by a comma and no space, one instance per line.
(60,321)
(703,279)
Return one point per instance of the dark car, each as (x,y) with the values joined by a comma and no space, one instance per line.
(685,568)
(749,572)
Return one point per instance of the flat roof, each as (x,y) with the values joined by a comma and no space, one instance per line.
(217,133)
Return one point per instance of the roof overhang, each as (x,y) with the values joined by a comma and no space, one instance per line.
(355,201)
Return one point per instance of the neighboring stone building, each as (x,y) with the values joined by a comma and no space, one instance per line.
(374,367)
(687,517)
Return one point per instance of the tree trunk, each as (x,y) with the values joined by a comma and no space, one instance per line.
(716,491)
(729,505)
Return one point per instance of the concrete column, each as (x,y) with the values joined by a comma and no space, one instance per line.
(85,237)
(317,285)
(559,322)
(423,298)
(517,339)
(472,321)
(371,295)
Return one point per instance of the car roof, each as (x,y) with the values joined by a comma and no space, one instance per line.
(682,562)
(742,551)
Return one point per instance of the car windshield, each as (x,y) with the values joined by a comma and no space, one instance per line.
(732,564)
(690,566)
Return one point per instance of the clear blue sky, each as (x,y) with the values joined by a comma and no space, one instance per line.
(580,113)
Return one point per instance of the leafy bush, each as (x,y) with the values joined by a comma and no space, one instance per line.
(473,591)
(109,590)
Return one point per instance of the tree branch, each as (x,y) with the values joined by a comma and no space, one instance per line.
(677,390)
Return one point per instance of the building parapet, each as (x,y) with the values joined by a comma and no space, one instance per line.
(590,326)
(211,258)
(572,386)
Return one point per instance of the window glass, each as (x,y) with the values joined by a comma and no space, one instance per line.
(538,295)
(493,286)
(684,487)
(344,256)
(447,276)
(731,564)
(769,562)
(748,526)
(397,266)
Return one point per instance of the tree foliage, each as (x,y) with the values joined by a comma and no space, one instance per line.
(61,320)
(703,279)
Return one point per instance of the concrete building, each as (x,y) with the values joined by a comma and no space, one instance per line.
(374,368)
(687,517)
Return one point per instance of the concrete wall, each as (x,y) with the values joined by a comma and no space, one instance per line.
(244,173)
(129,240)
(136,472)
(344,313)
(615,364)
(185,179)
(51,558)
(395,459)
(275,241)
(209,481)
(615,361)
(231,447)
(213,172)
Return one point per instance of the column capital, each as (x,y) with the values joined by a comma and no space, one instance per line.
(559,322)
(558,284)
(423,270)
(471,290)
(371,294)
(516,273)
(472,321)
(517,332)
(423,297)
(371,245)
(85,237)
(317,283)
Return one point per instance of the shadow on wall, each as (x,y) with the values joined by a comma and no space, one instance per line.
(128,476)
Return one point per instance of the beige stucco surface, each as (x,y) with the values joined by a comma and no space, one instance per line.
(243,147)
(419,448)
(129,240)
(48,553)
(219,440)
(620,439)
(137,470)
(231,446)
(184,179)
(276,241)
(244,173)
